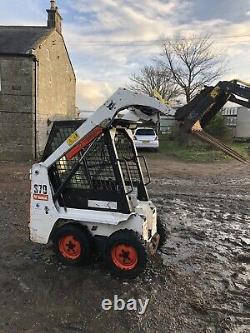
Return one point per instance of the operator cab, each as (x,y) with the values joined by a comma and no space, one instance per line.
(105,175)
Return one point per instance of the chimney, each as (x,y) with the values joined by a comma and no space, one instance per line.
(54,18)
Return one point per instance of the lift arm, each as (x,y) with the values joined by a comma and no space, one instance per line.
(142,106)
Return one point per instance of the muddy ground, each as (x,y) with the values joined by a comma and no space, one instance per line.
(199,282)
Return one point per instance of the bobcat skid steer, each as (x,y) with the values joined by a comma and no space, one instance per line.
(89,194)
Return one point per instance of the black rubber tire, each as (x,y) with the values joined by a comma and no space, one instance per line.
(128,237)
(81,236)
(162,231)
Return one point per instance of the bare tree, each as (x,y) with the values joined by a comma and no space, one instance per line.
(155,78)
(192,63)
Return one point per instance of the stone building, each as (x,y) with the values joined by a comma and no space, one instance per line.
(37,85)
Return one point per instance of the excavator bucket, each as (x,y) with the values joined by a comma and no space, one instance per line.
(196,115)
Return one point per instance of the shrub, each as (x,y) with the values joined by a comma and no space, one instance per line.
(218,128)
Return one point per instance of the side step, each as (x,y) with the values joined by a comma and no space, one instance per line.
(218,144)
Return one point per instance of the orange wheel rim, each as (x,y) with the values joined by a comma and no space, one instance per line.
(124,256)
(70,247)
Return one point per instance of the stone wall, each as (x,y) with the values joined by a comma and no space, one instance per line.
(34,92)
(56,86)
(16,107)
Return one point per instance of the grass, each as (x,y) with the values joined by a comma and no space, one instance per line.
(241,147)
(198,152)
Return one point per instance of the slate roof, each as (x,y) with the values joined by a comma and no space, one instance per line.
(19,40)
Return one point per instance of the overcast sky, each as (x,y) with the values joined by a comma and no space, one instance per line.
(108,40)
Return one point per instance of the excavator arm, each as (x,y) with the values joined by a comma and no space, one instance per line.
(196,115)
(204,106)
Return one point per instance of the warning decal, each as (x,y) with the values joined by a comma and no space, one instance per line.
(73,138)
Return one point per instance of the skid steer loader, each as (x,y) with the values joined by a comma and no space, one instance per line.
(89,193)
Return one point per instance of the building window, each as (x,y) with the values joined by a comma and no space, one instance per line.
(231,121)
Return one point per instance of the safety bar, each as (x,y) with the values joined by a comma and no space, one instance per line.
(129,174)
(146,166)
